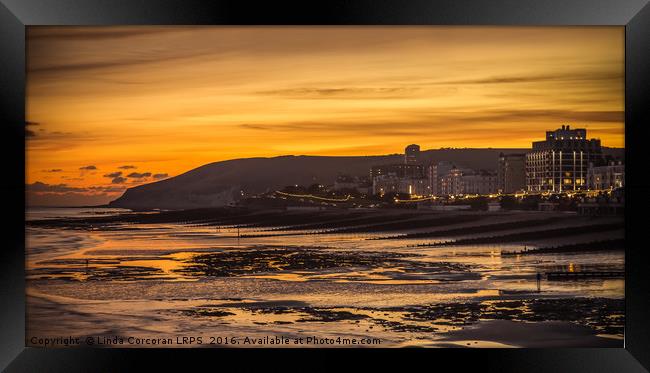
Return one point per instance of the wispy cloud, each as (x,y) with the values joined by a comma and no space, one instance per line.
(53,188)
(537,78)
(43,194)
(343,92)
(41,187)
(36,33)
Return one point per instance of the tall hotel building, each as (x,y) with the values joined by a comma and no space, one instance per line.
(412,154)
(511,174)
(560,162)
(407,177)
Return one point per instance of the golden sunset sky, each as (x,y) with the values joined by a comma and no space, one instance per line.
(164,100)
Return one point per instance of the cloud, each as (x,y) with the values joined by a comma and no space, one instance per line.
(126,167)
(559,116)
(137,175)
(254,126)
(118,180)
(53,170)
(567,77)
(107,189)
(87,168)
(42,194)
(40,187)
(83,66)
(52,188)
(160,176)
(125,61)
(84,33)
(29,132)
(342,92)
(407,90)
(422,122)
(113,175)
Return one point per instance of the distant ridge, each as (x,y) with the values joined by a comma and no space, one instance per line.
(218,183)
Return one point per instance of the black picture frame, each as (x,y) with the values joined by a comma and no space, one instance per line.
(15,15)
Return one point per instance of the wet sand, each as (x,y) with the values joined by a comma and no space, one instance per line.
(330,274)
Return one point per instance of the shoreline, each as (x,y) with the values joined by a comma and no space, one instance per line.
(185,271)
(437,325)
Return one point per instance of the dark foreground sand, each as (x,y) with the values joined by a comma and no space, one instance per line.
(543,334)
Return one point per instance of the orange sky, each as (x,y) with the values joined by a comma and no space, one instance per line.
(164,100)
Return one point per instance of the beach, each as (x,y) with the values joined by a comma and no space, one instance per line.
(404,277)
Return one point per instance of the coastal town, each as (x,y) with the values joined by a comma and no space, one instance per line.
(567,171)
(391,186)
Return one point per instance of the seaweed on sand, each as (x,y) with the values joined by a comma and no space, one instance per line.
(252,261)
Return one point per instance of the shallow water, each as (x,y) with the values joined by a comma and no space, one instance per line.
(159,280)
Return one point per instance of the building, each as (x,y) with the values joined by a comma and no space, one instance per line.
(348,183)
(412,154)
(511,173)
(406,178)
(399,170)
(611,176)
(451,184)
(560,163)
(479,182)
(404,185)
(435,172)
(465,181)
(344,182)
